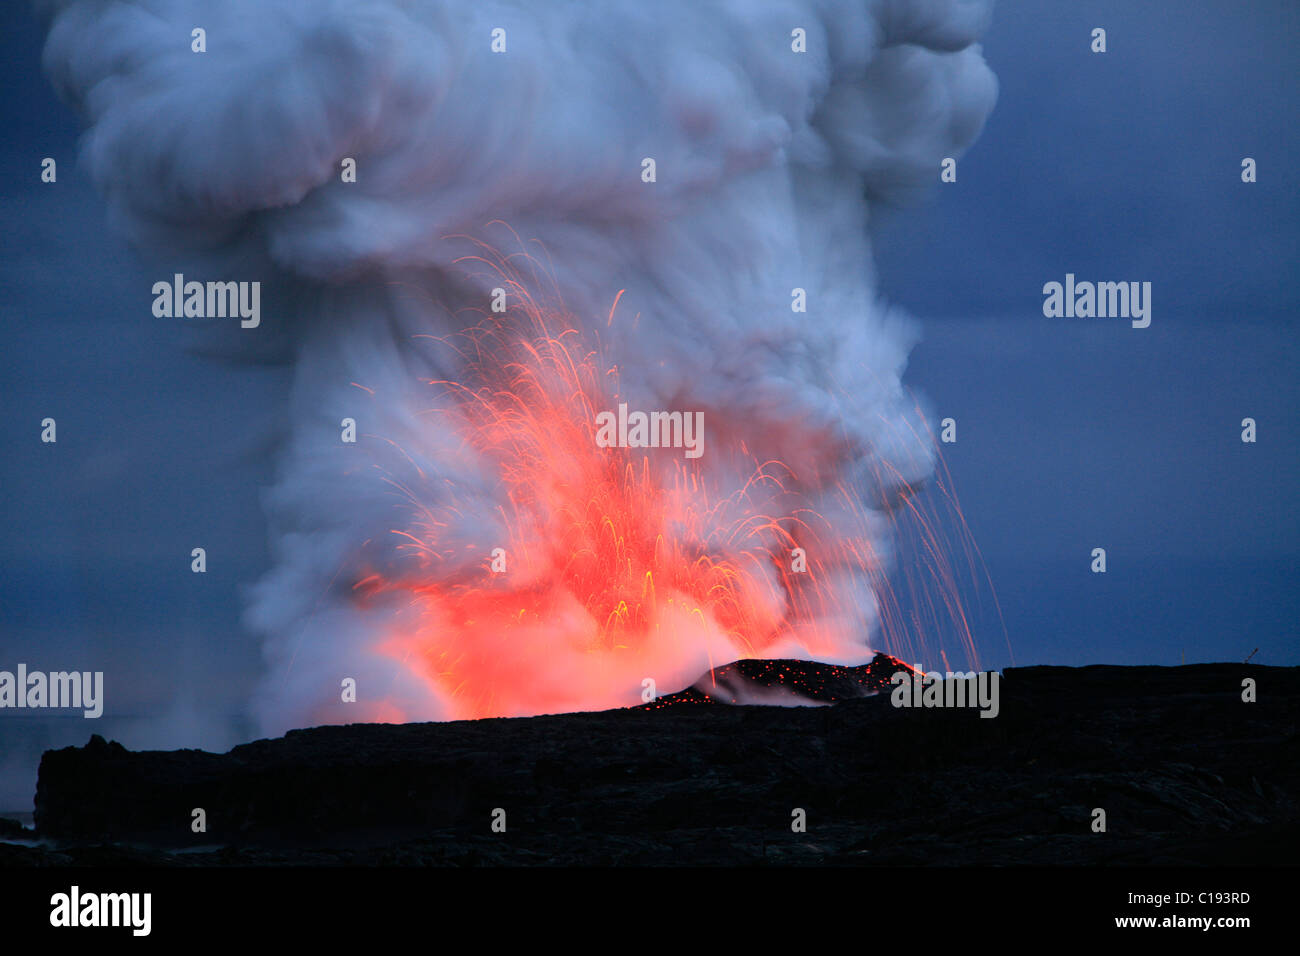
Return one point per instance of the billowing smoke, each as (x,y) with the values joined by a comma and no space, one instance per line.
(773,128)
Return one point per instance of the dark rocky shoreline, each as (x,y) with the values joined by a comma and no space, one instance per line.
(1186,771)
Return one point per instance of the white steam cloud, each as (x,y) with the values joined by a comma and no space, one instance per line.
(768,163)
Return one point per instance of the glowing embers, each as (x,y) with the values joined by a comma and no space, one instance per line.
(786,683)
(608,565)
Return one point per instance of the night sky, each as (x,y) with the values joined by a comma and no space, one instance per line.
(1072,433)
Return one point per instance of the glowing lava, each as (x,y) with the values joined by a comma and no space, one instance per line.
(618,566)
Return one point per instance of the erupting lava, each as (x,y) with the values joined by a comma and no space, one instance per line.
(471,547)
(619,565)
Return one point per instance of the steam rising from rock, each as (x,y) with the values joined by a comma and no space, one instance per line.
(768,162)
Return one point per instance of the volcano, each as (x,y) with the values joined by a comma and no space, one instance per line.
(592,379)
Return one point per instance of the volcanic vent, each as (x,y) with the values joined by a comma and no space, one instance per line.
(788,683)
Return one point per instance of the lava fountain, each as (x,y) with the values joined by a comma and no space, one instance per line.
(619,565)
(694,186)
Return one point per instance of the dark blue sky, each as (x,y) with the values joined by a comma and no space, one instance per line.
(1072,433)
(1079,433)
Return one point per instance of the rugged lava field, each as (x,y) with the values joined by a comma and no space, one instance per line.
(1186,771)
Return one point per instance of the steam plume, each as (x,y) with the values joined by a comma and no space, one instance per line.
(768,163)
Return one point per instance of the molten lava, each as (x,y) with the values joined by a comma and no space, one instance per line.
(619,569)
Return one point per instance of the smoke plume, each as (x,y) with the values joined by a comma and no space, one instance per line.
(774,127)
